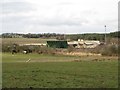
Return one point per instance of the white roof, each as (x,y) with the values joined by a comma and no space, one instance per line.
(74,42)
(39,44)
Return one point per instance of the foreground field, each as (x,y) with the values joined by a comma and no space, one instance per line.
(59,71)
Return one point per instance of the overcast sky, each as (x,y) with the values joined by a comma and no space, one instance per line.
(58,16)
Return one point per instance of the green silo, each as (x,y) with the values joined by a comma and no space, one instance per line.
(57,44)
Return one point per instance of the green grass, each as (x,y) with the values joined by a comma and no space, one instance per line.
(84,74)
(9,58)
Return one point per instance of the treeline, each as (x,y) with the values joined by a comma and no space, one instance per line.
(94,36)
(88,36)
(29,35)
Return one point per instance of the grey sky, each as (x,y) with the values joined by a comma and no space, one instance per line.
(59,16)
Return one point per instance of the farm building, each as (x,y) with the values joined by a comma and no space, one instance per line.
(65,44)
(33,44)
(57,44)
(84,43)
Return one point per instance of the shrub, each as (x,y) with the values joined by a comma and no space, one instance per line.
(9,47)
(70,49)
(47,50)
(109,50)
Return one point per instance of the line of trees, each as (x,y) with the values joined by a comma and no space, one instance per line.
(94,36)
(29,35)
(89,36)
(86,37)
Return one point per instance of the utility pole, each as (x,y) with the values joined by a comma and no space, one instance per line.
(64,36)
(105,34)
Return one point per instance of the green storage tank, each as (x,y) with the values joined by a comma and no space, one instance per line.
(57,44)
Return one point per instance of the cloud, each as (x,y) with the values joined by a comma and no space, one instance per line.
(58,22)
(66,3)
(14,23)
(15,7)
(68,16)
(22,23)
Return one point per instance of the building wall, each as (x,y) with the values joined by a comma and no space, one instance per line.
(57,44)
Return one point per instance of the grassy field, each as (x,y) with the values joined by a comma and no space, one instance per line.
(47,71)
(24,40)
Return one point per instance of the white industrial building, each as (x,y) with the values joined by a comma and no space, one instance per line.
(84,43)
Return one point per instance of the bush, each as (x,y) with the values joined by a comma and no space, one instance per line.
(70,49)
(47,50)
(109,50)
(9,47)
